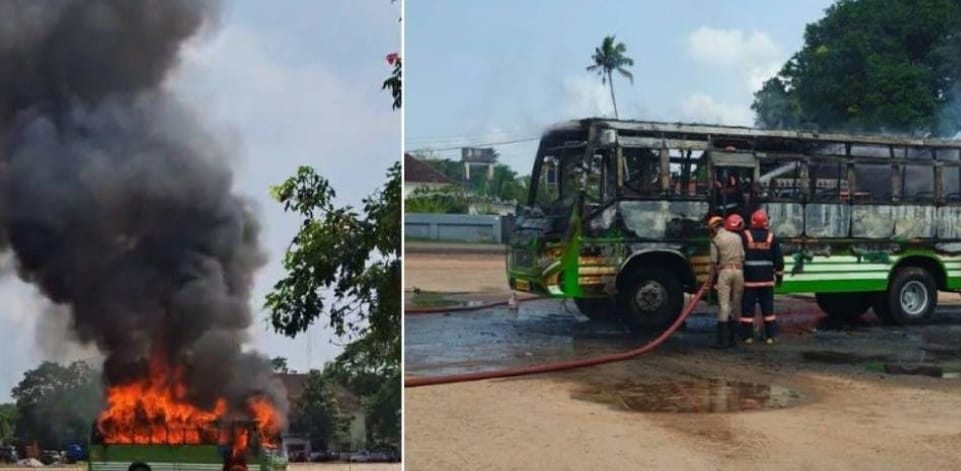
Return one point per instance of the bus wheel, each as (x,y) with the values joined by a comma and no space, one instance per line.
(912,296)
(595,308)
(139,467)
(650,299)
(843,305)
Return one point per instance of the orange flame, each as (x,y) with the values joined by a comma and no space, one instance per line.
(155,410)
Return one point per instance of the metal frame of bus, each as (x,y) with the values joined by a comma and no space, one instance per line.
(853,255)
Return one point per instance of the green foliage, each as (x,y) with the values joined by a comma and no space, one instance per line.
(872,65)
(610,56)
(57,405)
(447,200)
(504,184)
(316,412)
(393,83)
(8,421)
(384,412)
(355,259)
(279,364)
(379,388)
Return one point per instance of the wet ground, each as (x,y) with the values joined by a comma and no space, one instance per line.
(543,330)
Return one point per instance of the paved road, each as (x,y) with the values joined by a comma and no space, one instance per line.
(550,330)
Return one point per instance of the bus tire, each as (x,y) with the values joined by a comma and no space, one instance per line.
(912,296)
(650,299)
(848,306)
(139,467)
(596,308)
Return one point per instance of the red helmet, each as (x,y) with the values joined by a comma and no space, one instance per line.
(759,219)
(734,222)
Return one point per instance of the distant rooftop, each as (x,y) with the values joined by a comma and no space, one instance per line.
(416,171)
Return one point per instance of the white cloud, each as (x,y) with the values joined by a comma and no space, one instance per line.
(584,96)
(703,108)
(731,47)
(749,58)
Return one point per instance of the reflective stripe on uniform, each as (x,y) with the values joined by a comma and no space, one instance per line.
(752,245)
(758,284)
(770,318)
(747,320)
(758,263)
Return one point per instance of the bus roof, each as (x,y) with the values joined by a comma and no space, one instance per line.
(714,131)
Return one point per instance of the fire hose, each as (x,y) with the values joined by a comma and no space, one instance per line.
(416,381)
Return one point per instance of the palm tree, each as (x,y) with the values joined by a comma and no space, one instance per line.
(608,58)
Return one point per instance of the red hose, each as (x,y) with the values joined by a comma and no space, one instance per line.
(416,381)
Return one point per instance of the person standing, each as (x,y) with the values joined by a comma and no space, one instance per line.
(727,258)
(763,270)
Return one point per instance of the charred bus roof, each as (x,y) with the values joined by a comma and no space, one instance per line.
(696,136)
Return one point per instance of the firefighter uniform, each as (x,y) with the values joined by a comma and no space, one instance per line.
(727,259)
(763,269)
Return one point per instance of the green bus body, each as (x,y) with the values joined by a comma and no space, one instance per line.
(173,457)
(614,248)
(184,457)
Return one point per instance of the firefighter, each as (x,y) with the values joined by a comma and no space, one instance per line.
(763,270)
(727,258)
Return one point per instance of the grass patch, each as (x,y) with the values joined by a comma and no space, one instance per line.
(431,299)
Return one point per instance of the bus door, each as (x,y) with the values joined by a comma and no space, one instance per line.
(734,174)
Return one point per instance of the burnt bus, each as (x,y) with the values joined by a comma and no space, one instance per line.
(616,211)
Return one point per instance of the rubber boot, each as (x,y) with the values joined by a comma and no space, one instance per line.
(722,335)
(732,333)
(747,332)
(770,332)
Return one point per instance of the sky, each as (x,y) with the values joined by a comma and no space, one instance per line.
(285,83)
(498,71)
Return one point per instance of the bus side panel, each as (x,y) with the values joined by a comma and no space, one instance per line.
(949,223)
(664,220)
(787,219)
(872,222)
(914,222)
(823,220)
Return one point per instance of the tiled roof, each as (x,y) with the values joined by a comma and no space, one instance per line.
(416,171)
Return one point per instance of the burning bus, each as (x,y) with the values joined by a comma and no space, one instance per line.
(151,424)
(212,447)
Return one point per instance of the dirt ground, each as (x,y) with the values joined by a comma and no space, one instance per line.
(843,416)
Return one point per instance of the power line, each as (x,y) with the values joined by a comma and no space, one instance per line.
(483,144)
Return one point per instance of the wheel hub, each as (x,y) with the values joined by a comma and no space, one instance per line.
(650,295)
(914,298)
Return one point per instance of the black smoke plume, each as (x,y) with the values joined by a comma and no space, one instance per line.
(114,199)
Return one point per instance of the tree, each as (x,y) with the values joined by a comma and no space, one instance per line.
(57,405)
(8,421)
(447,200)
(380,389)
(872,65)
(316,412)
(393,83)
(354,259)
(279,364)
(608,58)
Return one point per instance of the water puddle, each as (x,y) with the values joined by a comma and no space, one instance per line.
(691,396)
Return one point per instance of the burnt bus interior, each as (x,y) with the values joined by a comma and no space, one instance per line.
(708,166)
(222,433)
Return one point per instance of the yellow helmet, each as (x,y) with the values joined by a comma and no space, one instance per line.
(715,221)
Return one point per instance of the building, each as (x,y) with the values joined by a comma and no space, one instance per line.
(350,407)
(418,174)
